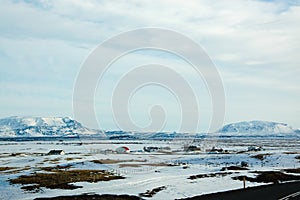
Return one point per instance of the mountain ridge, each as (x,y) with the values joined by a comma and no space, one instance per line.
(257,127)
(67,127)
(15,126)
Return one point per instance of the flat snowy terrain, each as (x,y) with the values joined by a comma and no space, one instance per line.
(170,167)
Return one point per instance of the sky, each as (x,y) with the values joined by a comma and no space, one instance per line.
(254,45)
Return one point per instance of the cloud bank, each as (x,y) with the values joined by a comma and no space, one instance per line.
(254,44)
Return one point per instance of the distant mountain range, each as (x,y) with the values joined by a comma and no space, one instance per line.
(258,127)
(42,126)
(67,127)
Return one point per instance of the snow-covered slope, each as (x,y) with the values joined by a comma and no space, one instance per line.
(65,127)
(42,126)
(257,127)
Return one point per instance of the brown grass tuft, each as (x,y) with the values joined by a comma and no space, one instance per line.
(261,156)
(61,179)
(269,177)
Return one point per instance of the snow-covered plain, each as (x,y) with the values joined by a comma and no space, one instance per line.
(145,175)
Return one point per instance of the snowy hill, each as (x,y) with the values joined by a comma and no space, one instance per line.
(42,126)
(258,127)
(67,127)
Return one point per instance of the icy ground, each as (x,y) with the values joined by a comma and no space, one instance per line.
(28,157)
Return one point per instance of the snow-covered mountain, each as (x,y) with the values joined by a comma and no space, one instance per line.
(67,127)
(257,127)
(42,126)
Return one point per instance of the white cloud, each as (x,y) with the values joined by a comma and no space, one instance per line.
(255,44)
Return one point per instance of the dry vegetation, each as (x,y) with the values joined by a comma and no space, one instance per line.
(13,170)
(110,161)
(17,154)
(61,179)
(130,163)
(55,168)
(291,152)
(218,174)
(295,171)
(234,168)
(146,164)
(261,156)
(6,168)
(73,158)
(151,193)
(269,177)
(54,161)
(4,155)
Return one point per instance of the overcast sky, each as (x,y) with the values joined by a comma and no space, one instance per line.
(255,46)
